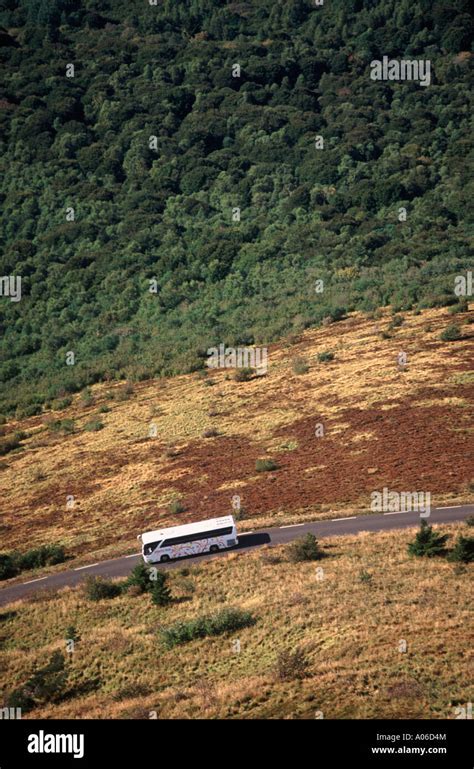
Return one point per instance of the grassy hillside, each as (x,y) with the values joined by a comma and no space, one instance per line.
(348,615)
(179,449)
(93,210)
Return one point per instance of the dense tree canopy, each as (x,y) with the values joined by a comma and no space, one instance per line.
(138,166)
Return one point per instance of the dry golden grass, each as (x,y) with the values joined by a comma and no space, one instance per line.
(350,630)
(123,481)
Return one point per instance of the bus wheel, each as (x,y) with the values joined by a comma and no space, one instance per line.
(164,558)
(214,549)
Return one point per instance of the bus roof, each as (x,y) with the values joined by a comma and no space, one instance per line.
(187,528)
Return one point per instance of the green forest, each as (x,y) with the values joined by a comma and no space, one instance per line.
(163,187)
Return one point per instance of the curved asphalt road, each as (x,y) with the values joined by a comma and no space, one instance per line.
(121,567)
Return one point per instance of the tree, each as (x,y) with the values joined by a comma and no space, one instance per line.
(141,578)
(463,550)
(160,593)
(427,542)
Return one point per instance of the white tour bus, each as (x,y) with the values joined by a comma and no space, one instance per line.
(191,539)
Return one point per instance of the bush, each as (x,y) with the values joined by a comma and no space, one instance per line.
(8,566)
(461,306)
(427,542)
(104,409)
(337,313)
(243,374)
(463,550)
(63,426)
(63,403)
(160,592)
(94,426)
(300,366)
(176,507)
(228,620)
(46,555)
(305,549)
(265,465)
(325,357)
(470,520)
(126,392)
(12,564)
(9,444)
(87,399)
(211,432)
(292,665)
(71,634)
(451,333)
(29,411)
(396,322)
(365,577)
(97,588)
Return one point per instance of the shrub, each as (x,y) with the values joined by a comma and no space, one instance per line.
(9,444)
(305,549)
(63,403)
(104,409)
(461,306)
(125,392)
(12,564)
(228,620)
(8,566)
(64,426)
(87,399)
(427,542)
(97,588)
(71,634)
(463,550)
(29,411)
(243,374)
(365,577)
(176,507)
(292,665)
(470,520)
(451,333)
(46,555)
(240,514)
(396,322)
(325,357)
(160,592)
(211,432)
(337,313)
(300,366)
(265,465)
(131,691)
(93,426)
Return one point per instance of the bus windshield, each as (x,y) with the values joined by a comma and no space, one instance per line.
(150,547)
